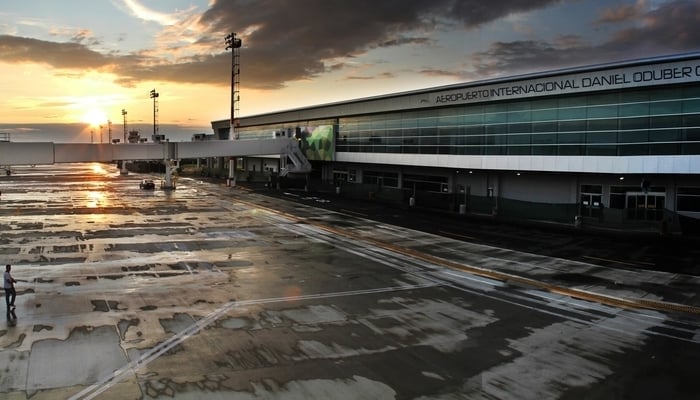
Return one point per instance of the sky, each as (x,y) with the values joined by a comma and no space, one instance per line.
(68,68)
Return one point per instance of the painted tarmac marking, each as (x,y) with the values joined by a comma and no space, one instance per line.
(623,302)
(353,212)
(617,261)
(485,281)
(115,377)
(457,235)
(577,301)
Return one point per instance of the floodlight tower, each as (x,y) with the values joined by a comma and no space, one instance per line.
(124,115)
(234,43)
(154,96)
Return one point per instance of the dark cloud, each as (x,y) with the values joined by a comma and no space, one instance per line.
(383,75)
(405,40)
(440,73)
(668,29)
(287,41)
(205,69)
(294,40)
(621,13)
(60,55)
(476,12)
(84,36)
(508,58)
(673,26)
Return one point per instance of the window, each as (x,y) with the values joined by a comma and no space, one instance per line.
(339,176)
(634,110)
(652,121)
(688,199)
(426,183)
(666,107)
(381,178)
(352,175)
(602,111)
(634,123)
(639,204)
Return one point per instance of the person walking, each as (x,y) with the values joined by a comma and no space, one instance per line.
(9,287)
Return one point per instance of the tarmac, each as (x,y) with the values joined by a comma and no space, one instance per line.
(209,291)
(636,266)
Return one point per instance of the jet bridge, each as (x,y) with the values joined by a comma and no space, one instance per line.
(292,159)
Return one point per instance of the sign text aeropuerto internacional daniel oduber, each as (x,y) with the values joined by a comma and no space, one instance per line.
(667,73)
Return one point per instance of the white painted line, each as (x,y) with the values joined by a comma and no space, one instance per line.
(490,282)
(115,377)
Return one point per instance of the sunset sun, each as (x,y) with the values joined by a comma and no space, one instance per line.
(94,117)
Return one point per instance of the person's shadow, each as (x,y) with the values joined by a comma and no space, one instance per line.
(11,318)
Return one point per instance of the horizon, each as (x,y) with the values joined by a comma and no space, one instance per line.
(83,133)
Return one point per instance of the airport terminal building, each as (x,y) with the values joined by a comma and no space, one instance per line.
(613,145)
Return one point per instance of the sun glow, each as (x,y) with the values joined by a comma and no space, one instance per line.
(95,117)
(98,169)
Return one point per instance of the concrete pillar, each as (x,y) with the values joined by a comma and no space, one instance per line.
(169,165)
(232,172)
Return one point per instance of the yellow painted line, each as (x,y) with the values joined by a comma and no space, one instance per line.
(622,302)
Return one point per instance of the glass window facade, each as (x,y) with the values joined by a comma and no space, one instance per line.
(268,131)
(653,121)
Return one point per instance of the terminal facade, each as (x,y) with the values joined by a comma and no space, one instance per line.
(614,145)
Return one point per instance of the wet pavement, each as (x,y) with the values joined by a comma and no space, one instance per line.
(224,293)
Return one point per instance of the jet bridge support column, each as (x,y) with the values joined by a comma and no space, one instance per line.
(122,168)
(232,171)
(169,181)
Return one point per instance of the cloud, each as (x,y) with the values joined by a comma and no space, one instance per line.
(287,41)
(439,73)
(621,13)
(69,55)
(473,13)
(283,41)
(671,28)
(147,14)
(383,75)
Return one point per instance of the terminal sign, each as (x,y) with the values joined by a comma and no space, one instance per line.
(668,73)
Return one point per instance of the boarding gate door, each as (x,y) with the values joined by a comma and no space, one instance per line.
(645,206)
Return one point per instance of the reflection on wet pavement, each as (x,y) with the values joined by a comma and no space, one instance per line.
(198,293)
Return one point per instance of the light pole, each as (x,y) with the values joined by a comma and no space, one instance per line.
(154,96)
(234,44)
(124,115)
